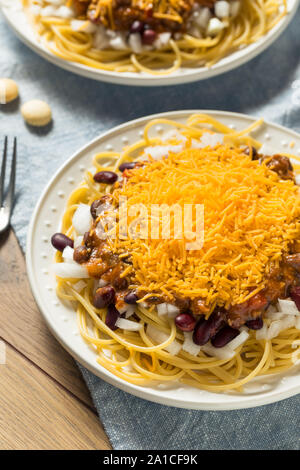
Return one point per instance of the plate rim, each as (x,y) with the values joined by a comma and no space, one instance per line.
(144,393)
(193,75)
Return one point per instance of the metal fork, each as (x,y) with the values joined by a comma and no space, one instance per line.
(6,203)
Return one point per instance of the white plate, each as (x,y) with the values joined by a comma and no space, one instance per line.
(62,320)
(16,18)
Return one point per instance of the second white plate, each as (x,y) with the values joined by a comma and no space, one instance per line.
(16,18)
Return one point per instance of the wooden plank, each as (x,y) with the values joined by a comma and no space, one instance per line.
(37,413)
(22,325)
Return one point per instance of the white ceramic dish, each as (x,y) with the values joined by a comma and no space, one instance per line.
(62,320)
(16,18)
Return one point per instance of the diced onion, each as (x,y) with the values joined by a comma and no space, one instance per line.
(203,17)
(135,42)
(189,346)
(160,151)
(212,139)
(172,310)
(84,26)
(173,134)
(275,316)
(271,309)
(208,140)
(70,270)
(280,325)
(274,329)
(288,322)
(234,7)
(128,324)
(68,254)
(82,219)
(162,40)
(100,39)
(195,31)
(222,9)
(238,340)
(297,323)
(167,309)
(64,12)
(159,337)
(130,311)
(262,333)
(162,309)
(127,309)
(118,42)
(288,307)
(215,26)
(220,353)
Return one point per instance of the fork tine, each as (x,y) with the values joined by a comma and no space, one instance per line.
(2,175)
(12,180)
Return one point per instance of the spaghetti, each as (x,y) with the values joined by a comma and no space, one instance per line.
(214,317)
(153,37)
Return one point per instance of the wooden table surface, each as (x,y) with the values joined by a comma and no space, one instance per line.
(44,401)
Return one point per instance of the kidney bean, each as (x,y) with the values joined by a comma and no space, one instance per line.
(255,324)
(94,208)
(100,205)
(281,165)
(254,152)
(104,296)
(60,241)
(107,177)
(112,316)
(201,333)
(148,36)
(295,295)
(81,254)
(120,283)
(137,27)
(206,329)
(224,336)
(185,322)
(127,166)
(131,298)
(216,320)
(87,240)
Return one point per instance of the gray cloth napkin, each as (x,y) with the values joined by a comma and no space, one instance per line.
(268,86)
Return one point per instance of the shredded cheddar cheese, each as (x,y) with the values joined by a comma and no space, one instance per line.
(251,218)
